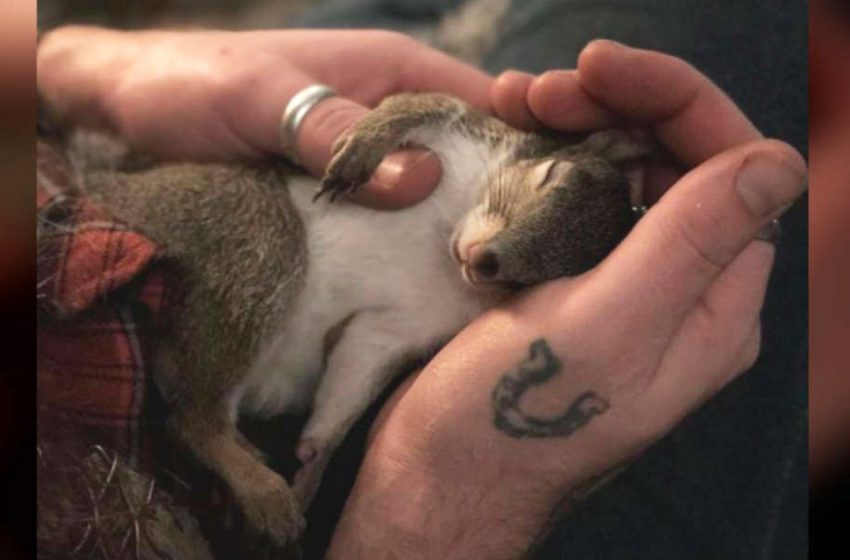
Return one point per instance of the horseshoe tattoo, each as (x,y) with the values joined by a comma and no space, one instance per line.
(540,366)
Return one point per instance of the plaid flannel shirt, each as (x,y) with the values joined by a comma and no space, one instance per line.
(98,292)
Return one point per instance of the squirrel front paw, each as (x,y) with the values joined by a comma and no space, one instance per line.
(390,126)
(355,160)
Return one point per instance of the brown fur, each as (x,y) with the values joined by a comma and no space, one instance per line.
(558,229)
(238,246)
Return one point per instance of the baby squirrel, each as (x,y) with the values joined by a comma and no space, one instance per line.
(288,304)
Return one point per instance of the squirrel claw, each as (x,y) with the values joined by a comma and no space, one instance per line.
(334,189)
(320,192)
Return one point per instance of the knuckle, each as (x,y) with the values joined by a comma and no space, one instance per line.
(688,236)
(334,119)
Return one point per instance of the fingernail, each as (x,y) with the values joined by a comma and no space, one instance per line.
(767,185)
(391,170)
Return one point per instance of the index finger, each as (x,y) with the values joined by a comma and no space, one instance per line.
(692,117)
(430,70)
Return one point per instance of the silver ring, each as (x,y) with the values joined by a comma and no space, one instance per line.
(297,108)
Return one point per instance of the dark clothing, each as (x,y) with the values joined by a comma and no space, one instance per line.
(731,481)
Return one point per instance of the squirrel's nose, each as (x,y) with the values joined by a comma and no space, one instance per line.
(483,261)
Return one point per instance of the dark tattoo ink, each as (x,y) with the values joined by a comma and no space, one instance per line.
(540,366)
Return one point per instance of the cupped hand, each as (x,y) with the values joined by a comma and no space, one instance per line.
(659,327)
(219,95)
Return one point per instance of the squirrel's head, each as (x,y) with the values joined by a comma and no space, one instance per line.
(546,217)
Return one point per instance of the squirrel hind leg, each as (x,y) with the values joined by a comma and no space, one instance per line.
(274,518)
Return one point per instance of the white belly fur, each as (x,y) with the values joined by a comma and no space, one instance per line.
(363,259)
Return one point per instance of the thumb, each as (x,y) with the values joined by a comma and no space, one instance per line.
(700,226)
(403,178)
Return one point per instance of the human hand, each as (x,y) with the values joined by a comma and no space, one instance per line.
(220,95)
(636,344)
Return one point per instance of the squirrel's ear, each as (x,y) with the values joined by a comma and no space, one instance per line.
(630,151)
(633,152)
(620,147)
(541,173)
(547,170)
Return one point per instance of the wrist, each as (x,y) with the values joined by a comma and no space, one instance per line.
(445,478)
(398,512)
(446,495)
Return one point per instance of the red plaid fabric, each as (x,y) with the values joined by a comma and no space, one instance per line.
(97,294)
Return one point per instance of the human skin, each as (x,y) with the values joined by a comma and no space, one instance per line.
(207,95)
(655,330)
(659,327)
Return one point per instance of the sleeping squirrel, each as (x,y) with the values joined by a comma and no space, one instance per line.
(291,302)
